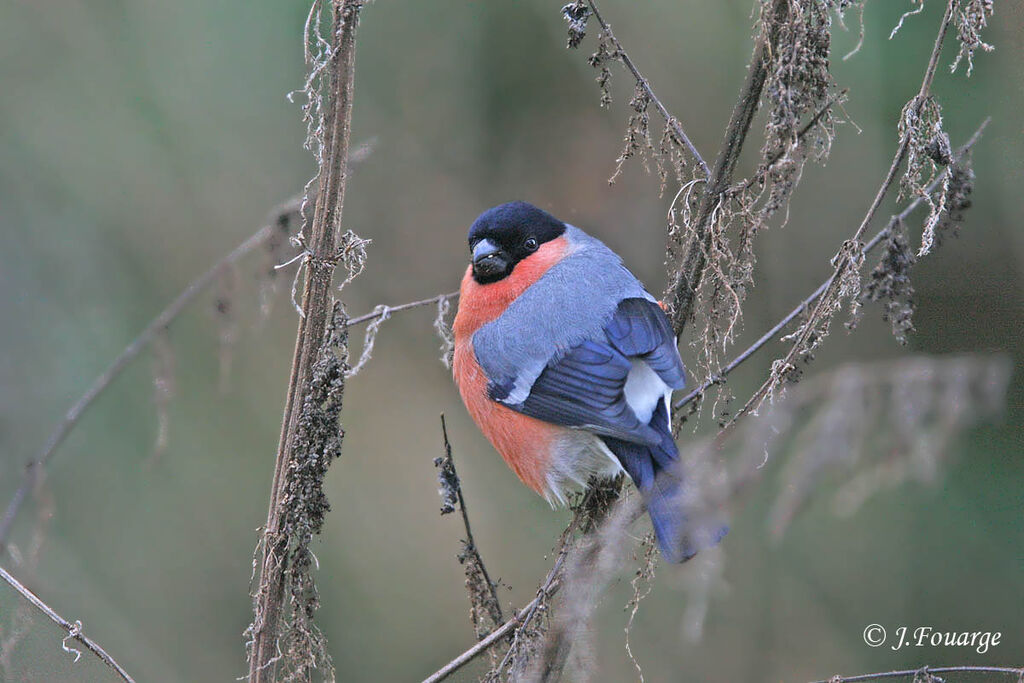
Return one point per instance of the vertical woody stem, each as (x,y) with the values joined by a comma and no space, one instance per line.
(322,246)
(682,291)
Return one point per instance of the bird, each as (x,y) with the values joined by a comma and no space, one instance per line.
(567,365)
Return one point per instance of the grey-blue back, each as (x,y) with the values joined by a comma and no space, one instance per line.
(572,302)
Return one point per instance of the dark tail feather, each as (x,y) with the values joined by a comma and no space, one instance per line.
(656,471)
(679,536)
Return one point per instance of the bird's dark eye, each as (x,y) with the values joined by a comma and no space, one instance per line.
(530,244)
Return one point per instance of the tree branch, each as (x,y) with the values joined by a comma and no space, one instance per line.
(806,303)
(74,629)
(844,261)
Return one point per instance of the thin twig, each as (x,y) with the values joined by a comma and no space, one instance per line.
(844,262)
(74,629)
(549,586)
(670,120)
(925,671)
(483,596)
(366,317)
(129,354)
(719,377)
(484,645)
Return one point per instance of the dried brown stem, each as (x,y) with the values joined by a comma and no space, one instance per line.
(322,246)
(719,377)
(844,261)
(642,82)
(74,629)
(684,282)
(927,673)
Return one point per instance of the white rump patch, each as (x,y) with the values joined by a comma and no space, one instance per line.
(644,389)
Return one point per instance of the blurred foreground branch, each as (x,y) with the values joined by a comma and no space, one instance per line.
(74,630)
(860,429)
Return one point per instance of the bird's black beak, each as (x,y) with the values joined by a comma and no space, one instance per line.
(490,263)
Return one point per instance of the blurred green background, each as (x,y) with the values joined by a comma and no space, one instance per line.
(140,141)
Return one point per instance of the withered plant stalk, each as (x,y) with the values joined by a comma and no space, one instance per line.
(850,256)
(682,289)
(312,343)
(805,305)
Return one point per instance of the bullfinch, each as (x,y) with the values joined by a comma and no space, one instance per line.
(567,364)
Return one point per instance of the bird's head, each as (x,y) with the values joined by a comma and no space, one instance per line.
(505,235)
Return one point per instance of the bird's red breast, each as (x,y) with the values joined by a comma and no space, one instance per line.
(524,442)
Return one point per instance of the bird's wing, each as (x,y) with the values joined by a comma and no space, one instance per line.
(586,386)
(640,329)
